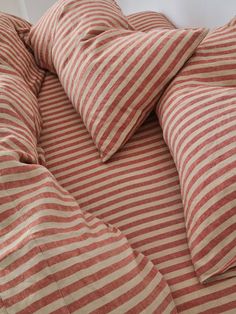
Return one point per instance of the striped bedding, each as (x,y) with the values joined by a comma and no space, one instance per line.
(54,257)
(13,52)
(197,114)
(138,192)
(148,20)
(112,73)
(81,236)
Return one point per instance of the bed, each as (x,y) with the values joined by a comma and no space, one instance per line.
(83,234)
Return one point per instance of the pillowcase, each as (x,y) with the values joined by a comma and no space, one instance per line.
(72,22)
(198,116)
(148,20)
(112,74)
(13,52)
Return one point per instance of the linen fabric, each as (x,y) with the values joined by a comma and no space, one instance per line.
(54,257)
(137,192)
(112,74)
(14,53)
(198,116)
(149,20)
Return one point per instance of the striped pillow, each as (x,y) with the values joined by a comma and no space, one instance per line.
(14,53)
(148,20)
(71,22)
(198,116)
(112,74)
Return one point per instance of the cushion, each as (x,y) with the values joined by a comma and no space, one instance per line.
(112,74)
(198,116)
(149,20)
(13,51)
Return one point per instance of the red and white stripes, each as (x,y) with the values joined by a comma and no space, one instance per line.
(198,117)
(64,17)
(137,192)
(13,52)
(20,118)
(112,74)
(149,20)
(54,257)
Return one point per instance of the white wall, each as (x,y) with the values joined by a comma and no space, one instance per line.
(31,10)
(11,6)
(184,13)
(36,8)
(187,13)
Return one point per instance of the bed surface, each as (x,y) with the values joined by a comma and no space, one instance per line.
(137,191)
